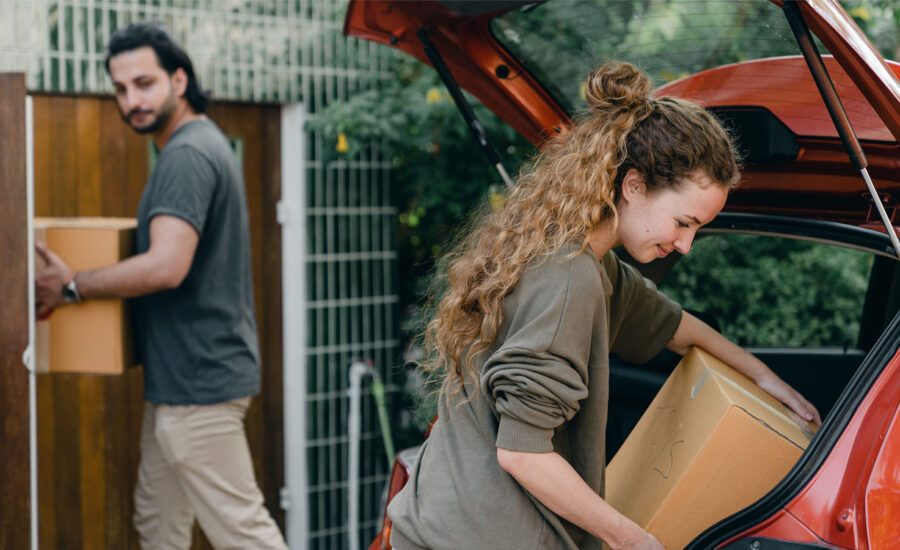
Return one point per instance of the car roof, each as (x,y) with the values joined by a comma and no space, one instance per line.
(810,175)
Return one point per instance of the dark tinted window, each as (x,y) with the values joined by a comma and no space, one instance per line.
(769,291)
(561,41)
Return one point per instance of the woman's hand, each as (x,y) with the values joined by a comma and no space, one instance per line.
(553,481)
(780,390)
(694,332)
(643,541)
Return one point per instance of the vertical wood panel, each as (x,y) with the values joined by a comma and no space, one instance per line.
(90,163)
(270,329)
(67,471)
(46,420)
(15,499)
(92,449)
(63,165)
(123,455)
(87,153)
(42,142)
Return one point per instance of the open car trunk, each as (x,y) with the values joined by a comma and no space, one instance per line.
(799,188)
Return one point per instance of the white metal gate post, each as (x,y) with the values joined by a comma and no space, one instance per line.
(292,217)
(28,359)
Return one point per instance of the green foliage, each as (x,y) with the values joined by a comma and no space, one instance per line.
(440,176)
(774,292)
(880,20)
(440,173)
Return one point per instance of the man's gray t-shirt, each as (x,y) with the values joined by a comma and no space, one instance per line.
(198,342)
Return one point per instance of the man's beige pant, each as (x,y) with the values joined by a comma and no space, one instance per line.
(195,462)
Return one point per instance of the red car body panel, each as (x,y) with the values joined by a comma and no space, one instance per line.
(832,507)
(882,496)
(869,71)
(470,52)
(853,500)
(820,183)
(797,104)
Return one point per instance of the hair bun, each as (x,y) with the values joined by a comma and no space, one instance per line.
(617,84)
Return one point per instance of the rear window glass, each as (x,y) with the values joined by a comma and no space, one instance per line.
(561,41)
(772,291)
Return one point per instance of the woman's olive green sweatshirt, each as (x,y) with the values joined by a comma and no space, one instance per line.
(544,386)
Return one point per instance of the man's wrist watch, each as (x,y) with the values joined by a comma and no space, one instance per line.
(70,292)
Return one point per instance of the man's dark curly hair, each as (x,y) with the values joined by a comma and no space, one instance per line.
(168,53)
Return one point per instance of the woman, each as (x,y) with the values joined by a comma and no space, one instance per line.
(535,304)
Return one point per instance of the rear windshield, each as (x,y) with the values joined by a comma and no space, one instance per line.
(561,41)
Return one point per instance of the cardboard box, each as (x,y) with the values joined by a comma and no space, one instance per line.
(93,337)
(710,444)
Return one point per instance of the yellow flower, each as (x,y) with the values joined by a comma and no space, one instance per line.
(860,12)
(342,146)
(667,75)
(433,95)
(495,198)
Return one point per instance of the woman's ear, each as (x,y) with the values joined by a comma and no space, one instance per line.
(633,185)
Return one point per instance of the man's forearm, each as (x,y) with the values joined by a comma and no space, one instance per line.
(135,276)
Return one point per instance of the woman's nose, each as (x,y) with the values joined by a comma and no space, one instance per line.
(684,241)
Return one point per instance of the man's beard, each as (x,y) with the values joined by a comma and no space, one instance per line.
(162,117)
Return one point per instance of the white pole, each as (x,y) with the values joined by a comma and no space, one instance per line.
(357,370)
(28,357)
(291,212)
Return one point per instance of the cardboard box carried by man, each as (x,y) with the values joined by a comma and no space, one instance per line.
(93,337)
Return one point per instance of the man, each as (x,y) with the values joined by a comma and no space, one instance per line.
(193,307)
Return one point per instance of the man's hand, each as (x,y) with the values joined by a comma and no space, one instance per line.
(49,282)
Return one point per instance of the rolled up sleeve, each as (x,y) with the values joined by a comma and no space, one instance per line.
(539,373)
(533,393)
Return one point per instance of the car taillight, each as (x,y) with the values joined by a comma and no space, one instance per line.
(399,477)
(883,492)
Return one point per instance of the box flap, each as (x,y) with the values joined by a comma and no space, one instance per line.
(745,394)
(85,223)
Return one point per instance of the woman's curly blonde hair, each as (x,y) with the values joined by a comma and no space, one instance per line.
(570,190)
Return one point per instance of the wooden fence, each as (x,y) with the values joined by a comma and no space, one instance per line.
(89,163)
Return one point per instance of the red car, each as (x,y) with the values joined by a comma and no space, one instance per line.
(815,109)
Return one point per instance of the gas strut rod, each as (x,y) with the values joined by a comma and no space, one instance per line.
(836,109)
(464,108)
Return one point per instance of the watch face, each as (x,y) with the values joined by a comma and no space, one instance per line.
(69,293)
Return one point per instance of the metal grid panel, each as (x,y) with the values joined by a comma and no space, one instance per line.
(280,51)
(350,313)
(351,297)
(242,49)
